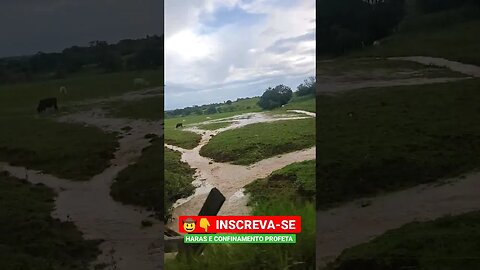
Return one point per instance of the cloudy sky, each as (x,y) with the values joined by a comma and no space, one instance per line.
(29,26)
(224,49)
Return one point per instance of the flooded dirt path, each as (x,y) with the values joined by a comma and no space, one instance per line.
(230,179)
(90,207)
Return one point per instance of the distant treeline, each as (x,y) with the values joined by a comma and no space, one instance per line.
(205,109)
(272,97)
(98,56)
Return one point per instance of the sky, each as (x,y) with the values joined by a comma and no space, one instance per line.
(29,26)
(217,50)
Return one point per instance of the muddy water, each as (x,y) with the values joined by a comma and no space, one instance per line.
(230,178)
(88,204)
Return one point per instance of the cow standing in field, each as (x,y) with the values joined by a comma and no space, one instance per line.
(47,103)
(179,125)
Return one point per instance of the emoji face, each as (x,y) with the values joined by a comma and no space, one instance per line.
(189,225)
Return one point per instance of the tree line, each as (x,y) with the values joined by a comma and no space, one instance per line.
(127,54)
(272,97)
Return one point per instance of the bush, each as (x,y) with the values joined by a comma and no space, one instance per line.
(307,87)
(275,97)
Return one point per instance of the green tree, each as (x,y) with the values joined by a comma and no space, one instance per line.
(275,97)
(307,87)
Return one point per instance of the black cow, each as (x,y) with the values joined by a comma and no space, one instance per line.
(46,103)
(179,125)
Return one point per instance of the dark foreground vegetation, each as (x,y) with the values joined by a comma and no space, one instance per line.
(30,238)
(296,183)
(141,183)
(447,243)
(178,179)
(377,140)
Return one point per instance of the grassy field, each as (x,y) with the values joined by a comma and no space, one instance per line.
(306,103)
(295,182)
(378,140)
(255,142)
(23,97)
(66,150)
(242,105)
(30,238)
(178,137)
(447,243)
(178,179)
(142,183)
(148,109)
(214,126)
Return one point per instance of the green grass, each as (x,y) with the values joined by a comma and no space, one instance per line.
(214,126)
(30,238)
(142,182)
(148,109)
(24,96)
(261,256)
(380,140)
(66,150)
(306,103)
(178,179)
(255,142)
(241,106)
(69,151)
(180,138)
(295,182)
(451,242)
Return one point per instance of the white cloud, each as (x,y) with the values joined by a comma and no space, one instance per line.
(232,59)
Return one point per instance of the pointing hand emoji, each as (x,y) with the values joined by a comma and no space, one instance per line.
(204,224)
